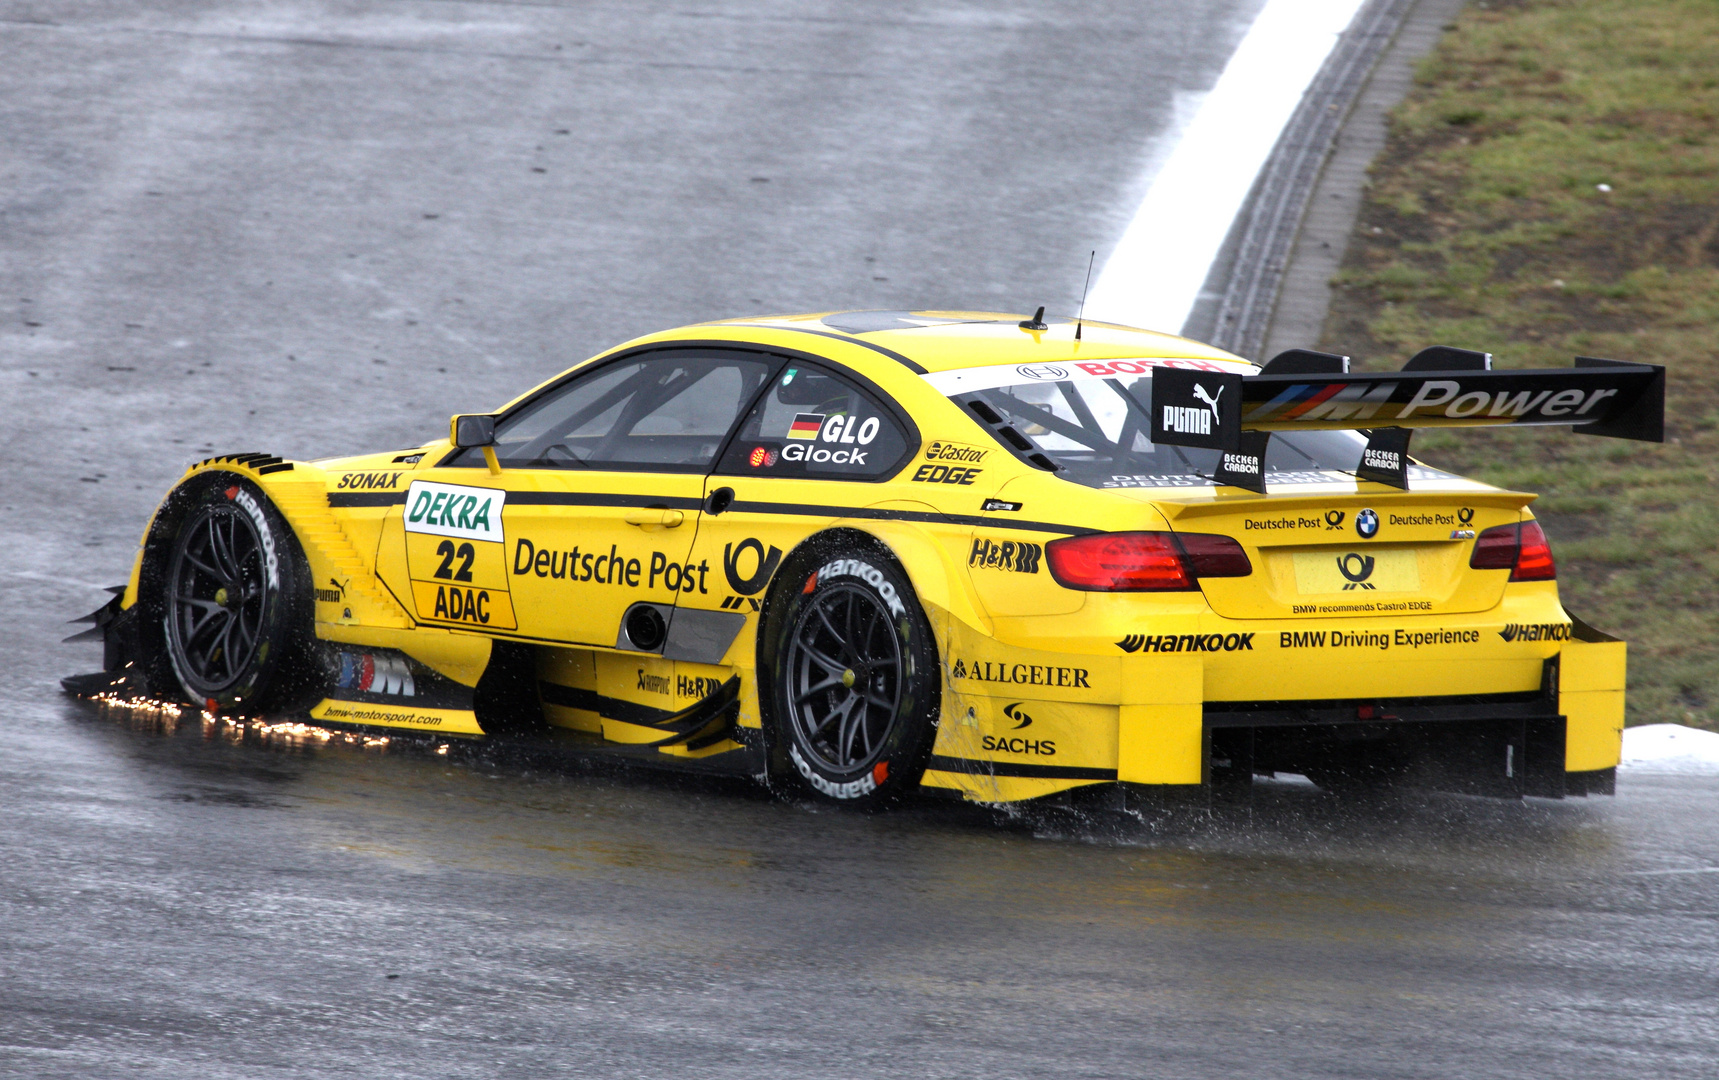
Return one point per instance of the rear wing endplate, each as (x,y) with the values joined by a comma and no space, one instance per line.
(1308,391)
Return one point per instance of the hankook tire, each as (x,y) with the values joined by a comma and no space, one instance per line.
(852,679)
(234,598)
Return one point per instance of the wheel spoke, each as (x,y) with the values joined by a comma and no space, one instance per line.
(814,691)
(198,629)
(823,659)
(208,570)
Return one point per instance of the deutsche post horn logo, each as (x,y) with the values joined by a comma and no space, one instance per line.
(1357,568)
(766,566)
(1465,515)
(1333,519)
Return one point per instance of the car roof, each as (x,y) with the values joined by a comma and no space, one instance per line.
(947,340)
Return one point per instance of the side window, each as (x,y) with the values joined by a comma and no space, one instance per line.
(658,412)
(815,424)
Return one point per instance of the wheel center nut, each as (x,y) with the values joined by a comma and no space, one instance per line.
(848,678)
(221,597)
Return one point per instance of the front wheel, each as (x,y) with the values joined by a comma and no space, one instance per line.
(234,600)
(853,674)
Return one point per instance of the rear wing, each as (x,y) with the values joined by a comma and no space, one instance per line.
(1440,387)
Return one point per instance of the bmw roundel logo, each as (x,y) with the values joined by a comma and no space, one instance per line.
(1367,524)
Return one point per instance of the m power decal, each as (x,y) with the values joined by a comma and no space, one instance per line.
(469,513)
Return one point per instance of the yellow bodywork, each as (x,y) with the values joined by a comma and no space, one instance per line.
(1009,643)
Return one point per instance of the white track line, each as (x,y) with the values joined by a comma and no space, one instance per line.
(1154,274)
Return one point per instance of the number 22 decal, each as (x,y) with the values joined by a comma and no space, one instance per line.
(449,553)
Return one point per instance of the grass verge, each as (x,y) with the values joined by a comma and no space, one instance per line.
(1551,188)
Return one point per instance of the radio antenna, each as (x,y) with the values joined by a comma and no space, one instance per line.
(1083,290)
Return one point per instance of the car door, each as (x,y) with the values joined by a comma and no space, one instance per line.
(602,477)
(811,450)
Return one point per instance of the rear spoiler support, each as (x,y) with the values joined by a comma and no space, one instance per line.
(1438,387)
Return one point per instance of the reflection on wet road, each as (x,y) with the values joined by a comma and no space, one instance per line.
(228,901)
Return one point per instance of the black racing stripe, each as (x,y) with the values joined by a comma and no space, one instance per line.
(366,498)
(581,498)
(911,365)
(1024,771)
(866,513)
(877,514)
(571,697)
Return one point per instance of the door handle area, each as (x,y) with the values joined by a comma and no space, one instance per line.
(655,519)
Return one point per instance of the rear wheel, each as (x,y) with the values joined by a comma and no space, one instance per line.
(853,676)
(235,600)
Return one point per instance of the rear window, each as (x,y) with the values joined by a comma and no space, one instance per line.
(1095,428)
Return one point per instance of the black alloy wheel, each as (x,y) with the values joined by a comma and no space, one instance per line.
(848,655)
(231,589)
(217,587)
(845,672)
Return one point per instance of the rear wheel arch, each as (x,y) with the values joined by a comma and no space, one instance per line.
(804,582)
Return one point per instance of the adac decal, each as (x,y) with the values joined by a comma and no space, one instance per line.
(655,684)
(938,450)
(1020,674)
(611,568)
(370,481)
(1356,569)
(1367,524)
(763,565)
(1536,631)
(696,686)
(945,474)
(1374,639)
(1162,643)
(461,605)
(371,674)
(334,594)
(1015,556)
(471,513)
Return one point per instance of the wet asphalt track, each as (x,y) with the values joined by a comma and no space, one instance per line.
(319,228)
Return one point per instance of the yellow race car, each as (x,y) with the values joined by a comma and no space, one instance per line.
(869,553)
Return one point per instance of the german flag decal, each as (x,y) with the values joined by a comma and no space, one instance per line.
(805,425)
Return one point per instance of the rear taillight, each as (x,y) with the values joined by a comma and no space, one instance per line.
(1144,561)
(1521,549)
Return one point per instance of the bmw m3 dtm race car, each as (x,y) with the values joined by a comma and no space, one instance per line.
(868,553)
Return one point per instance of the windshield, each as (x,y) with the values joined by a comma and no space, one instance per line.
(1097,432)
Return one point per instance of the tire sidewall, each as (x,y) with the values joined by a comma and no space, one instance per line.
(269,677)
(820,565)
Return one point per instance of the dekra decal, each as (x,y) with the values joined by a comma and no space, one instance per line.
(469,513)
